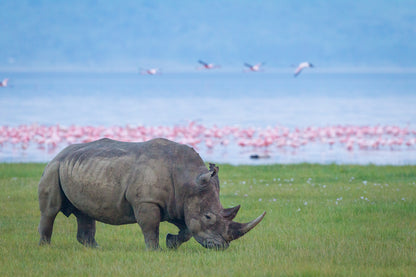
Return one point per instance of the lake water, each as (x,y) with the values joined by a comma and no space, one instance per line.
(248,100)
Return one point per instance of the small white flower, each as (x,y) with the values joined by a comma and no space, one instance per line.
(365,183)
(298,210)
(260,199)
(362,197)
(274,200)
(245,195)
(305,203)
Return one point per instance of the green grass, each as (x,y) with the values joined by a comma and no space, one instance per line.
(322,220)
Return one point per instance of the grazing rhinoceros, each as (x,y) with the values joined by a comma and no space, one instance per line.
(120,183)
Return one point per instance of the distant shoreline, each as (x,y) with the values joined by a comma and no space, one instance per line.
(189,69)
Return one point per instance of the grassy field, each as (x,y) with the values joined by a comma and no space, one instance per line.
(322,220)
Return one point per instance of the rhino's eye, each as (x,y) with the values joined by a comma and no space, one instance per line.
(209,218)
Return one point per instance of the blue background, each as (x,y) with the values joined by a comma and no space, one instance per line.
(173,35)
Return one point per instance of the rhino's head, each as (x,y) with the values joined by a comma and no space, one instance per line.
(210,224)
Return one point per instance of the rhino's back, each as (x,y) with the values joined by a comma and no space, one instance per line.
(95,176)
(159,148)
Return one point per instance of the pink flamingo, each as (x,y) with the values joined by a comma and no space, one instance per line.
(302,66)
(4,83)
(150,71)
(208,65)
(411,142)
(209,143)
(254,68)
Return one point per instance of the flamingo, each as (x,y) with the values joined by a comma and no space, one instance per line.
(255,67)
(207,65)
(301,66)
(4,83)
(150,71)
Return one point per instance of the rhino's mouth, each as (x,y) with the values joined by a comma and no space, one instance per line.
(214,244)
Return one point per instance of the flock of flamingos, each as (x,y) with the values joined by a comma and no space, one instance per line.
(197,135)
(247,67)
(210,137)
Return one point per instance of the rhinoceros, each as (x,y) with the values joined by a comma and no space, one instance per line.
(146,183)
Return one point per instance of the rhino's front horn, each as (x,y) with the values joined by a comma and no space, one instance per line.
(237,230)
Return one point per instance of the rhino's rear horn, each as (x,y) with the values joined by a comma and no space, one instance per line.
(230,213)
(237,230)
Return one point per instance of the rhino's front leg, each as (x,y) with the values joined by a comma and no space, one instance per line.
(148,217)
(174,241)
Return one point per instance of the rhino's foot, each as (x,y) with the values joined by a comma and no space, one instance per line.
(172,241)
(152,245)
(93,244)
(153,248)
(88,243)
(44,241)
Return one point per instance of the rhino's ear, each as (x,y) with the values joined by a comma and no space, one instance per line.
(204,179)
(214,169)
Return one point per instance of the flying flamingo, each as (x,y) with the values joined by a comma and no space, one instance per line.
(301,66)
(4,83)
(255,67)
(208,65)
(150,71)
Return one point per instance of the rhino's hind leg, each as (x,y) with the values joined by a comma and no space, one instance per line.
(86,230)
(50,202)
(45,228)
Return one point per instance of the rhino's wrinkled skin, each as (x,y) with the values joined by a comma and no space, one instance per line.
(149,182)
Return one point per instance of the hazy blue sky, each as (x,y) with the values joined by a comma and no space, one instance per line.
(175,34)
